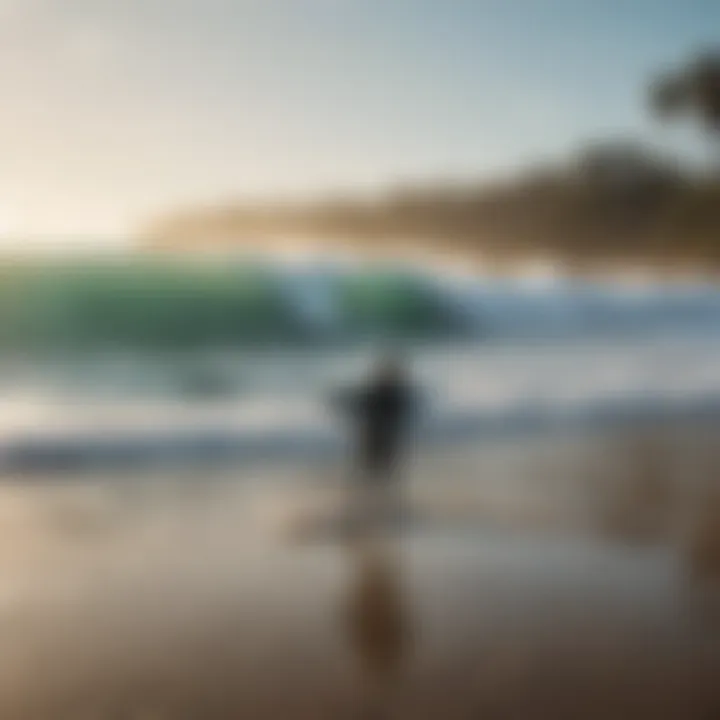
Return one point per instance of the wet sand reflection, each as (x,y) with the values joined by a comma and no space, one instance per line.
(379,624)
(503,591)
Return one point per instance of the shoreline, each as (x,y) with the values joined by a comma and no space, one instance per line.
(217,446)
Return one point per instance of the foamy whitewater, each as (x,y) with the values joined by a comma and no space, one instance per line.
(529,355)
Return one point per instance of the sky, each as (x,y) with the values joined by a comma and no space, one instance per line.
(114,112)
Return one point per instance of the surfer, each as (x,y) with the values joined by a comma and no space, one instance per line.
(381,412)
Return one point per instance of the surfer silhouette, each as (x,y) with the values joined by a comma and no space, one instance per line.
(379,625)
(381,413)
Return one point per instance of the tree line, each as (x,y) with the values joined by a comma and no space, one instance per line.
(615,201)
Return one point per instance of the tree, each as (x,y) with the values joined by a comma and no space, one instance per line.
(692,92)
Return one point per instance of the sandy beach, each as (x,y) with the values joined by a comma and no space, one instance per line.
(546,578)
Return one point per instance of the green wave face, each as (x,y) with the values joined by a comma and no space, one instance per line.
(158,306)
(392,304)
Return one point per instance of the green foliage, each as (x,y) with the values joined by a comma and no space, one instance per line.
(693,90)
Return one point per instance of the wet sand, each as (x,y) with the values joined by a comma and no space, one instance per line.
(548,578)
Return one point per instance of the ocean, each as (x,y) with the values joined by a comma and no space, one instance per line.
(168,361)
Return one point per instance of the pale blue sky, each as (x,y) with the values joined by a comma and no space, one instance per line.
(114,110)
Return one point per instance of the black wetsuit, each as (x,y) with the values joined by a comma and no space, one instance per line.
(382,413)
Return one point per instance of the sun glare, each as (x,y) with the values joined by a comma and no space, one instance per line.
(6,225)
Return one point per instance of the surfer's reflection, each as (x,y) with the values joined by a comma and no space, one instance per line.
(703,547)
(378,622)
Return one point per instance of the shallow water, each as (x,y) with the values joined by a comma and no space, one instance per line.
(275,403)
